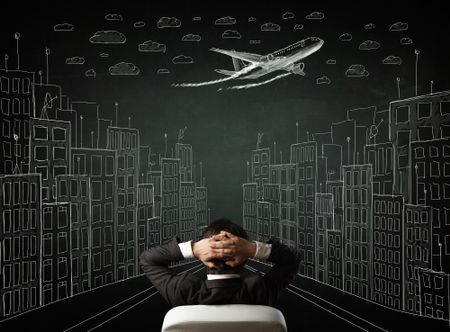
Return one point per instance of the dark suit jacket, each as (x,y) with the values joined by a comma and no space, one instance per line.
(188,289)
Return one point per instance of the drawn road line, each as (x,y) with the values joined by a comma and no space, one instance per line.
(81,325)
(329,304)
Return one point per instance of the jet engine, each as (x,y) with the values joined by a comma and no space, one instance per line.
(266,58)
(298,69)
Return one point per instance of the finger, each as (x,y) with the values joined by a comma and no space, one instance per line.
(228,234)
(222,244)
(217,237)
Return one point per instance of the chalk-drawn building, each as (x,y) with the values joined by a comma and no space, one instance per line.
(263,221)
(434,293)
(56,252)
(76,191)
(430,185)
(417,237)
(170,199)
(184,153)
(16,108)
(324,221)
(20,243)
(187,226)
(47,100)
(304,155)
(145,216)
(335,251)
(125,141)
(388,250)
(271,194)
(285,175)
(358,230)
(201,210)
(154,177)
(381,157)
(260,167)
(336,189)
(50,153)
(101,167)
(420,118)
(249,209)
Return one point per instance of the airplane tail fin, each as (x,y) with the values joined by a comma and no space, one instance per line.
(238,64)
(225,72)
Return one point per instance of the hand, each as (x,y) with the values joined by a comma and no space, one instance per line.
(238,248)
(206,249)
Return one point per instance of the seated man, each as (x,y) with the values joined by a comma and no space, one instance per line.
(224,250)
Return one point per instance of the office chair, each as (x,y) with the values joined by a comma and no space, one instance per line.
(224,318)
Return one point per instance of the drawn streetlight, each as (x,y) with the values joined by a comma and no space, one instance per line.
(81,131)
(16,138)
(165,145)
(296,127)
(78,164)
(17,37)
(129,122)
(40,77)
(431,87)
(274,152)
(417,176)
(348,150)
(92,139)
(398,87)
(416,52)
(307,136)
(248,171)
(425,192)
(116,110)
(281,157)
(440,256)
(47,53)
(6,62)
(201,174)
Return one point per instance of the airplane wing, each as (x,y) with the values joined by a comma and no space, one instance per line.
(244,56)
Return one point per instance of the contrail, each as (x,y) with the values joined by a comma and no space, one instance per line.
(252,85)
(229,78)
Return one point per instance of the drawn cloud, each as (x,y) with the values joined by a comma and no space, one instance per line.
(331,62)
(76,60)
(298,26)
(288,16)
(63,27)
(197,18)
(315,16)
(151,46)
(269,26)
(113,17)
(369,26)
(90,73)
(108,37)
(124,68)
(191,38)
(229,34)
(252,19)
(227,20)
(356,71)
(139,24)
(392,60)
(323,80)
(345,37)
(369,45)
(182,60)
(163,71)
(104,55)
(168,22)
(406,41)
(399,26)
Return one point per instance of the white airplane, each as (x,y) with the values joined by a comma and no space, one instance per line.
(286,59)
(253,66)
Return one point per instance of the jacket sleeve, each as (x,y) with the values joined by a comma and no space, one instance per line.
(155,264)
(286,263)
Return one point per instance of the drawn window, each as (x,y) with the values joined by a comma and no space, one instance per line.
(425,133)
(4,104)
(63,217)
(402,138)
(434,151)
(445,130)
(419,152)
(96,187)
(402,114)
(4,82)
(40,132)
(446,191)
(445,107)
(63,242)
(59,134)
(423,110)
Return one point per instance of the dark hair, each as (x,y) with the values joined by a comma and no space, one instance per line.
(224,224)
(216,227)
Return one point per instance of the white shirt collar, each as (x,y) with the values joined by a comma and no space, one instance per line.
(222,276)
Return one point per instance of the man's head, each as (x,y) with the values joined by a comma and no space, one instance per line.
(215,228)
